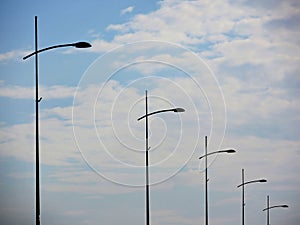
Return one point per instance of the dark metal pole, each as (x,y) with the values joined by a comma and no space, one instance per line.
(147,172)
(37,100)
(206,180)
(37,165)
(243,198)
(268,208)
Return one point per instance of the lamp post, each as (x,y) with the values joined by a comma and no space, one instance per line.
(271,207)
(37,100)
(243,193)
(206,178)
(177,110)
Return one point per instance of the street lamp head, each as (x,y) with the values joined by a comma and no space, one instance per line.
(263,180)
(178,110)
(82,45)
(230,151)
(284,206)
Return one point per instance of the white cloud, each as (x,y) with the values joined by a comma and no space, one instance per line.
(127,10)
(58,143)
(21,92)
(17,142)
(172,22)
(14,54)
(228,28)
(102,46)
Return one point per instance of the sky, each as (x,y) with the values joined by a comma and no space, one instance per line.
(231,64)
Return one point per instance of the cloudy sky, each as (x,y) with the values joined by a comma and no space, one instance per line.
(232,65)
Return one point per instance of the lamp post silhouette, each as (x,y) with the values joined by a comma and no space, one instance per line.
(243,192)
(271,207)
(177,110)
(206,178)
(37,100)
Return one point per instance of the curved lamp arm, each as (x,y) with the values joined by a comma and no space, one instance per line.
(76,45)
(177,110)
(220,151)
(253,181)
(276,206)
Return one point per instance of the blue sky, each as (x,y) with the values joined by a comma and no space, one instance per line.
(233,65)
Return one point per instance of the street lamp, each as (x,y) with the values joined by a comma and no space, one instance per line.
(271,207)
(177,110)
(37,100)
(206,179)
(80,44)
(243,192)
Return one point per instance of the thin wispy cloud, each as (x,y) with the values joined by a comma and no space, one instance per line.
(15,55)
(127,10)
(21,92)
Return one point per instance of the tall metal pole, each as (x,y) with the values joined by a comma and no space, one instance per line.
(37,165)
(37,100)
(268,208)
(243,198)
(206,173)
(147,172)
(243,192)
(206,180)
(177,110)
